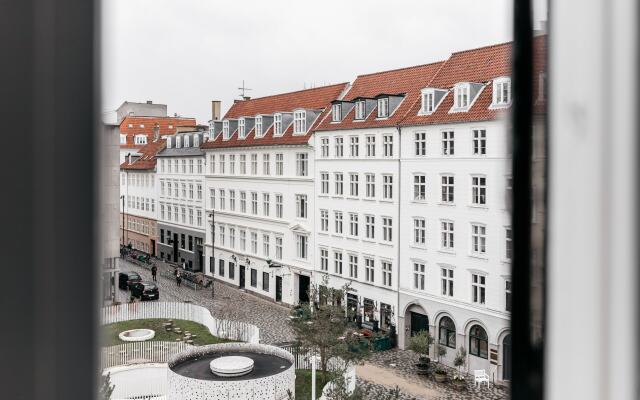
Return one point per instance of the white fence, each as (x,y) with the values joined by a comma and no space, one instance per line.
(232,330)
(140,352)
(142,381)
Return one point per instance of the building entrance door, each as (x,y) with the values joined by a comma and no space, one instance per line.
(242,277)
(175,247)
(278,288)
(153,247)
(303,288)
(419,322)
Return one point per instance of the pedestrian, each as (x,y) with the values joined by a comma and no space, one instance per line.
(178,279)
(154,272)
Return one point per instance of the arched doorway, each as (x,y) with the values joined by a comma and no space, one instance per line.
(506,358)
(419,322)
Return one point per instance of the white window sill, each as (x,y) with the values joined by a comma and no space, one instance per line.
(354,238)
(446,204)
(506,261)
(337,235)
(479,206)
(447,251)
(419,201)
(369,199)
(386,201)
(390,244)
(323,233)
(352,198)
(479,256)
(337,197)
(369,240)
(418,246)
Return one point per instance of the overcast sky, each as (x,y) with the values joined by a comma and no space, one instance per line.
(185,53)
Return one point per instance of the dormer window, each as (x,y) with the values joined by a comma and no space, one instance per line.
(360,107)
(196,141)
(428,101)
(383,107)
(123,139)
(241,133)
(178,139)
(299,122)
(259,127)
(140,139)
(336,113)
(277,124)
(212,130)
(225,130)
(170,126)
(186,141)
(502,91)
(461,95)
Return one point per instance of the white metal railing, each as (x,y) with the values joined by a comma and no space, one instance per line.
(232,330)
(140,352)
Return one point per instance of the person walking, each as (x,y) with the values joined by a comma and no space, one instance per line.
(178,278)
(154,272)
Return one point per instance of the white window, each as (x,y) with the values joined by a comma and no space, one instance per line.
(428,101)
(221,164)
(508,243)
(502,91)
(446,233)
(324,182)
(199,191)
(266,204)
(279,164)
(196,141)
(421,143)
(353,184)
(254,164)
(447,143)
(324,259)
(447,188)
(324,147)
(354,146)
(191,216)
(232,200)
(254,203)
(479,142)
(337,259)
(169,186)
(254,242)
(386,274)
(199,166)
(387,187)
(243,164)
(302,246)
(140,139)
(478,288)
(369,226)
(186,141)
(338,219)
(302,164)
(336,113)
(387,229)
(360,109)
(225,130)
(369,270)
(178,142)
(190,190)
(277,124)
(259,132)
(299,122)
(232,237)
(353,224)
(212,198)
(419,187)
(162,188)
(387,145)
(278,247)
(161,211)
(222,199)
(301,205)
(370,145)
(479,190)
(266,244)
(279,207)
(324,220)
(184,190)
(243,202)
(339,144)
(478,239)
(232,164)
(383,107)
(212,164)
(419,231)
(266,164)
(123,139)
(338,183)
(507,295)
(461,96)
(370,180)
(353,266)
(243,240)
(447,281)
(241,132)
(418,276)
(184,215)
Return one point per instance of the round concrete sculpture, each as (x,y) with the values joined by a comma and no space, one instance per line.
(231,371)
(137,335)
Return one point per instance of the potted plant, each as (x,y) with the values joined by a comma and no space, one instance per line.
(459,362)
(420,344)
(441,351)
(440,374)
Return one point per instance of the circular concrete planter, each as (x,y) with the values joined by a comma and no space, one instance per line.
(137,335)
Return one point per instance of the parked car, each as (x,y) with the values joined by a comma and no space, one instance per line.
(127,279)
(145,291)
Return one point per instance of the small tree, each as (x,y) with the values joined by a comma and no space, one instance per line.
(441,351)
(420,343)
(460,361)
(106,388)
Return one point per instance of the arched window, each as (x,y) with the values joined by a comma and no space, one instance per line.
(447,332)
(478,342)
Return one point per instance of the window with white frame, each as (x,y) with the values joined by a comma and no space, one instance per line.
(324,183)
(175,190)
(446,275)
(338,221)
(254,164)
(324,220)
(302,246)
(428,101)
(353,184)
(387,145)
(243,202)
(354,146)
(508,245)
(369,269)
(266,204)
(199,191)
(419,187)
(221,164)
(140,139)
(243,240)
(461,95)
(176,168)
(301,205)
(259,132)
(324,259)
(266,164)
(369,226)
(447,188)
(478,288)
(190,190)
(277,124)
(370,185)
(161,188)
(243,164)
(184,190)
(279,208)
(279,164)
(479,190)
(370,145)
(478,239)
(199,166)
(387,187)
(221,235)
(169,186)
(383,107)
(387,229)
(254,203)
(418,276)
(479,142)
(507,295)
(191,166)
(336,113)
(338,177)
(266,244)
(232,200)
(353,266)
(254,242)
(337,262)
(161,211)
(419,232)
(324,147)
(222,196)
(278,247)
(232,237)
(338,146)
(448,143)
(302,164)
(225,130)
(353,224)
(360,109)
(387,274)
(501,91)
(420,140)
(299,122)
(212,164)
(212,198)
(446,235)
(232,164)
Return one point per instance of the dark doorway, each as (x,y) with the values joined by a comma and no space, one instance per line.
(241,277)
(278,288)
(200,264)
(175,247)
(303,288)
(153,247)
(506,358)
(419,322)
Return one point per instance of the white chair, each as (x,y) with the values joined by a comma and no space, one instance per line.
(479,376)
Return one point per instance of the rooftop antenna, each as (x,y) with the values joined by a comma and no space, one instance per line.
(243,88)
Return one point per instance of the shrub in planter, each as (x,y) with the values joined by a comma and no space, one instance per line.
(420,344)
(460,361)
(440,374)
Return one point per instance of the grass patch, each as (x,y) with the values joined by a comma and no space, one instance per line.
(303,383)
(110,332)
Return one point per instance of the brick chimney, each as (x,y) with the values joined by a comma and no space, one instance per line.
(156,132)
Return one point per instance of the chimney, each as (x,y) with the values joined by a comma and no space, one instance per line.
(149,102)
(156,132)
(215,110)
(246,97)
(129,155)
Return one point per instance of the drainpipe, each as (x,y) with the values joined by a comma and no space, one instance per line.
(399,230)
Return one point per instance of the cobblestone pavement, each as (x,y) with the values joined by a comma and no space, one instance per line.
(228,303)
(376,392)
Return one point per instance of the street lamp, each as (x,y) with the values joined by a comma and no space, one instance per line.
(212,214)
(122,198)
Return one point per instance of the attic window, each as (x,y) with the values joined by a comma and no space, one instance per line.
(186,141)
(383,107)
(461,95)
(501,91)
(277,124)
(141,125)
(241,132)
(123,139)
(299,122)
(336,113)
(428,101)
(170,126)
(360,107)
(196,141)
(130,125)
(225,129)
(259,126)
(177,142)
(140,139)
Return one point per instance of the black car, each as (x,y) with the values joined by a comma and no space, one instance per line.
(145,291)
(126,279)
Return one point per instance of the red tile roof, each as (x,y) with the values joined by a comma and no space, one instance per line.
(405,80)
(149,123)
(317,99)
(147,160)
